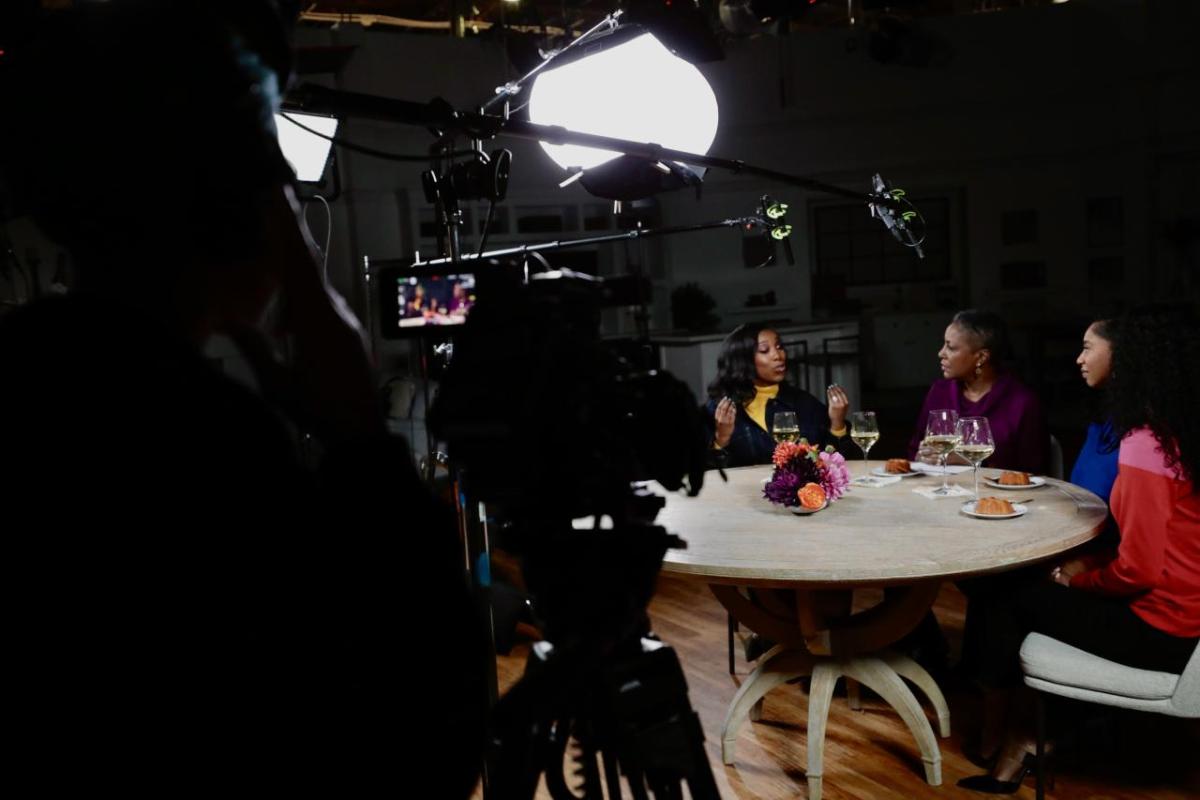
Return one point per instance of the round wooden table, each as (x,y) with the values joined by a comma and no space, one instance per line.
(790,578)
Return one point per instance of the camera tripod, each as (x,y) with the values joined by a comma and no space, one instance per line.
(618,717)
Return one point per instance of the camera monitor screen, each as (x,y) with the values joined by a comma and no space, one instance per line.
(306,152)
(417,302)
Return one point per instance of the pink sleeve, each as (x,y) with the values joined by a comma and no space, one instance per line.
(1142,500)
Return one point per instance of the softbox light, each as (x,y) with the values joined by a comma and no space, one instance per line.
(631,88)
(306,152)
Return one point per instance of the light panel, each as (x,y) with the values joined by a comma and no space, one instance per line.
(307,153)
(637,90)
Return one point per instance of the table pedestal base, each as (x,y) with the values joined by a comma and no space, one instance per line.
(881,673)
(819,637)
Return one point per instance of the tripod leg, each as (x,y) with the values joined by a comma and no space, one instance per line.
(591,775)
(612,777)
(637,784)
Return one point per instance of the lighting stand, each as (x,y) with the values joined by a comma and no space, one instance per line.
(310,97)
(753,222)
(512,88)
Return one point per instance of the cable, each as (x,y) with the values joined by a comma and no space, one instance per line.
(487,227)
(328,235)
(370,151)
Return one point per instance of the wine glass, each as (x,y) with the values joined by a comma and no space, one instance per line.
(864,432)
(941,436)
(784,427)
(976,443)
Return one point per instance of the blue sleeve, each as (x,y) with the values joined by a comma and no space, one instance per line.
(1096,467)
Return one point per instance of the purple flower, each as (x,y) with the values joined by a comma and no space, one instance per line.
(799,466)
(782,488)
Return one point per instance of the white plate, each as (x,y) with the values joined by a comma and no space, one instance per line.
(1034,483)
(800,511)
(969,510)
(883,473)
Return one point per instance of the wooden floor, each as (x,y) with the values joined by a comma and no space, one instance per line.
(869,754)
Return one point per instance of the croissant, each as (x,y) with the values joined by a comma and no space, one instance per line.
(1014,478)
(993,506)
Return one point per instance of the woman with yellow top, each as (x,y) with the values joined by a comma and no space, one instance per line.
(750,389)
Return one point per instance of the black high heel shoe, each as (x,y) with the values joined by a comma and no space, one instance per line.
(990,785)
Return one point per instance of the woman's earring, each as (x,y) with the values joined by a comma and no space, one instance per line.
(978,368)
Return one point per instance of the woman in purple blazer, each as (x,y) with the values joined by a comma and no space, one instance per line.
(975,383)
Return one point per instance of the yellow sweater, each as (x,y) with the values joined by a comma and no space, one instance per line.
(756,409)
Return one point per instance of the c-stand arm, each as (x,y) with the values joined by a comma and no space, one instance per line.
(441,116)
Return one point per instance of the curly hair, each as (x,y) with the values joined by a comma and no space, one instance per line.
(1155,381)
(987,330)
(735,365)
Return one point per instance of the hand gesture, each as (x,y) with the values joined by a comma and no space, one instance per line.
(725,414)
(839,406)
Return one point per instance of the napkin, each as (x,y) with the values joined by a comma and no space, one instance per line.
(934,469)
(877,481)
(955,491)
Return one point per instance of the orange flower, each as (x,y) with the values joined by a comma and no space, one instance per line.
(811,495)
(786,451)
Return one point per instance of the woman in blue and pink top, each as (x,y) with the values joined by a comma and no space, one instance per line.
(1138,605)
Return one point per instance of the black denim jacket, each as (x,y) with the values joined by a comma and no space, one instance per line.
(750,444)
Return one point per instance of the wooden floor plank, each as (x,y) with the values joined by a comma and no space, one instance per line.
(869,754)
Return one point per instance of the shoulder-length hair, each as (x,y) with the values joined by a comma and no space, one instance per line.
(735,365)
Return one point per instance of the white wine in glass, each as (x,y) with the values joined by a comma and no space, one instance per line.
(784,427)
(977,443)
(942,436)
(864,432)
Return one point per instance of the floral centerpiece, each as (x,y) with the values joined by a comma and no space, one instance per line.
(806,476)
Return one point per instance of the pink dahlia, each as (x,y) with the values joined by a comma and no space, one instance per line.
(835,477)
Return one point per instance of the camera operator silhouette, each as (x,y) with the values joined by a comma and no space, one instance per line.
(191,605)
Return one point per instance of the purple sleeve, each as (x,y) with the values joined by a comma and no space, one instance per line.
(931,398)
